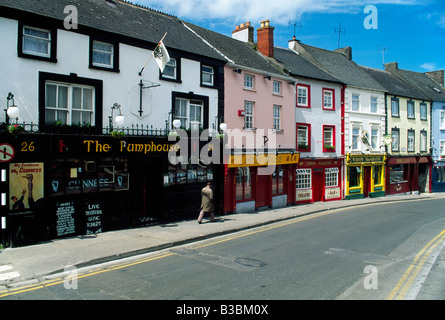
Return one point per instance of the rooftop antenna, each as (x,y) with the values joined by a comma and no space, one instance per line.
(339,31)
(296,25)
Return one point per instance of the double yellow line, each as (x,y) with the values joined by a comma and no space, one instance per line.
(400,290)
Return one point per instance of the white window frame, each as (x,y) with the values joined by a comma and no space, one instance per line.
(374,104)
(331,177)
(277,87)
(302,96)
(442,119)
(183,112)
(207,72)
(103,52)
(69,109)
(375,137)
(328,99)
(355,102)
(249,82)
(170,70)
(249,107)
(276,117)
(36,38)
(355,138)
(303,179)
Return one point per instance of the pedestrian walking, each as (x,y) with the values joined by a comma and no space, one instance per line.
(206,203)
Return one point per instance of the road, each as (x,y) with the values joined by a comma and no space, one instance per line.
(377,251)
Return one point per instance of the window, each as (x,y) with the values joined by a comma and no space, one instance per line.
(37,43)
(276,117)
(303,137)
(411,141)
(442,149)
(331,177)
(208,75)
(394,107)
(171,70)
(377,175)
(423,141)
(278,181)
(69,104)
(303,96)
(243,184)
(442,120)
(355,102)
(102,54)
(374,105)
(328,99)
(410,110)
(276,87)
(248,116)
(303,179)
(248,82)
(328,139)
(423,111)
(375,138)
(190,173)
(395,135)
(189,112)
(354,176)
(355,137)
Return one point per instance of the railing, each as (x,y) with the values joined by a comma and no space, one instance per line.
(33,128)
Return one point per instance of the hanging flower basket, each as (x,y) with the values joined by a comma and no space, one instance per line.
(16,129)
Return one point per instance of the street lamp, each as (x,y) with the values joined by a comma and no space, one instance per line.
(120,119)
(12,111)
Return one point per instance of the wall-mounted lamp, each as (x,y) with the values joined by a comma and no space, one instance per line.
(12,111)
(237,70)
(223,126)
(120,119)
(267,77)
(177,123)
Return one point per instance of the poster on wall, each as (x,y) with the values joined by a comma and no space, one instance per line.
(25,185)
(93,214)
(65,219)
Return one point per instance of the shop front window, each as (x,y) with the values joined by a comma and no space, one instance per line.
(278,181)
(183,174)
(243,184)
(354,176)
(377,175)
(398,173)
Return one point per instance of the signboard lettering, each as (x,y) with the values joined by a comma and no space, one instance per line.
(65,219)
(93,214)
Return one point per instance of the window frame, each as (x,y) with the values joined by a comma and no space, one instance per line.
(115,55)
(410,109)
(249,82)
(355,102)
(303,179)
(276,120)
(278,185)
(211,74)
(425,134)
(423,106)
(413,133)
(52,55)
(246,184)
(307,89)
(276,87)
(308,137)
(249,112)
(393,114)
(332,147)
(176,77)
(395,130)
(332,92)
(372,103)
(331,177)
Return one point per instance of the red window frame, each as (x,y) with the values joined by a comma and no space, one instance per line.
(308,125)
(308,87)
(333,139)
(333,99)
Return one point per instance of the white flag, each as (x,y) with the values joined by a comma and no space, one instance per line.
(161,55)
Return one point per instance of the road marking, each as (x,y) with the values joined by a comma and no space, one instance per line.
(8,275)
(400,290)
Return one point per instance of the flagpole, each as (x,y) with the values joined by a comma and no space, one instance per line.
(142,70)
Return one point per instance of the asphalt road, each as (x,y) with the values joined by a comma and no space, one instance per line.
(379,251)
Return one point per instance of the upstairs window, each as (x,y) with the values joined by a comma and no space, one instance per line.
(207,75)
(104,55)
(423,141)
(37,43)
(374,105)
(249,82)
(395,135)
(410,110)
(276,117)
(355,102)
(423,111)
(411,141)
(303,137)
(328,99)
(328,139)
(395,107)
(276,87)
(171,70)
(190,112)
(303,96)
(248,115)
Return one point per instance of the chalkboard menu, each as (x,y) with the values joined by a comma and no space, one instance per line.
(65,219)
(93,215)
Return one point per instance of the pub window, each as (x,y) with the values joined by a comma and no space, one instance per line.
(303,179)
(377,175)
(189,112)
(191,173)
(278,181)
(331,177)
(243,184)
(354,176)
(398,173)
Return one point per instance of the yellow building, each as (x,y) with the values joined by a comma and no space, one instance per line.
(365,176)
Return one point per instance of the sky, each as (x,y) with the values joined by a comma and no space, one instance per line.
(410,32)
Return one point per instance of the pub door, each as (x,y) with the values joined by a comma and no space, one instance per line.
(263,191)
(318,185)
(366,181)
(146,190)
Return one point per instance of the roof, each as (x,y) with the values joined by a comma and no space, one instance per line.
(342,68)
(120,18)
(424,83)
(237,52)
(300,66)
(394,85)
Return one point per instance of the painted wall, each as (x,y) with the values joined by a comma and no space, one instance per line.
(438,133)
(20,76)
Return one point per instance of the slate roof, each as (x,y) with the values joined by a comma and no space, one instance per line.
(300,66)
(424,83)
(121,18)
(394,85)
(342,68)
(238,52)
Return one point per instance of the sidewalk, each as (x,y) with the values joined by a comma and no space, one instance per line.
(52,257)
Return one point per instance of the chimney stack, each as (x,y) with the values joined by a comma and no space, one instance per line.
(265,43)
(243,32)
(437,75)
(346,51)
(391,67)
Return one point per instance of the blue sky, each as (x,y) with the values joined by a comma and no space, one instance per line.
(410,32)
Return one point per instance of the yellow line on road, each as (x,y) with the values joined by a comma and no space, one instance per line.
(408,277)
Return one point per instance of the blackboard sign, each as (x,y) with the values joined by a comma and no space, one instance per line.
(65,219)
(93,216)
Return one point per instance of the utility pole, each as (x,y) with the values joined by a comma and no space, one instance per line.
(340,31)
